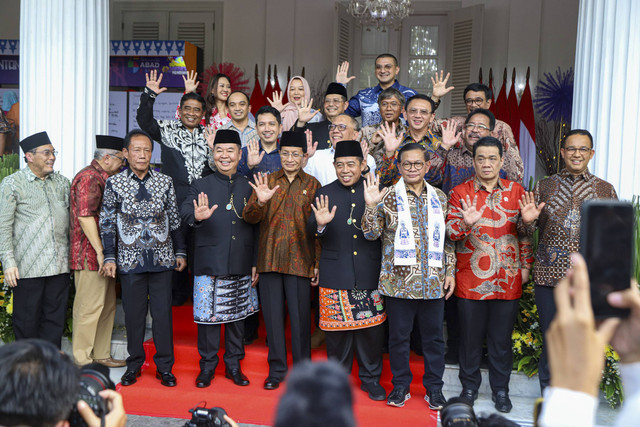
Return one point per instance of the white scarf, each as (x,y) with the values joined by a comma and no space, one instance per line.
(404,243)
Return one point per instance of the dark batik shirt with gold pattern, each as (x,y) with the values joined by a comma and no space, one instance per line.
(559,221)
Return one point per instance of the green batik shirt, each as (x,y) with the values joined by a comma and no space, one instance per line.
(34,224)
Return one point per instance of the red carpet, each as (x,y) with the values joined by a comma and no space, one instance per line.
(253,404)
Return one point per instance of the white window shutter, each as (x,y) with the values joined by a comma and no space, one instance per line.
(145,25)
(344,26)
(465,48)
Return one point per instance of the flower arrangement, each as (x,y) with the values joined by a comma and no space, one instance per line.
(8,164)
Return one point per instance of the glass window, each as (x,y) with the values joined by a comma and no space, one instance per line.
(420,73)
(424,40)
(423,57)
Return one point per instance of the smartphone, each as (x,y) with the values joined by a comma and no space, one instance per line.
(607,231)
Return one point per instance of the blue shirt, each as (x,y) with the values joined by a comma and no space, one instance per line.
(270,162)
(365,103)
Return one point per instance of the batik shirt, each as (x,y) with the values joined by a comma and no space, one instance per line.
(173,134)
(139,221)
(492,253)
(86,197)
(417,281)
(34,224)
(365,103)
(389,173)
(285,246)
(452,167)
(559,221)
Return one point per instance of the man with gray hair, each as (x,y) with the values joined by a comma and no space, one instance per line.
(94,306)
(391,103)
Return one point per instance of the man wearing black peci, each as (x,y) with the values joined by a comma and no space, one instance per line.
(351,307)
(224,263)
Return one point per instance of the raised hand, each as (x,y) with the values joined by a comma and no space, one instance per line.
(321,210)
(201,209)
(364,144)
(261,187)
(470,213)
(440,88)
(343,72)
(372,193)
(312,147)
(191,82)
(153,82)
(391,140)
(304,111)
(210,136)
(276,101)
(449,135)
(529,211)
(254,156)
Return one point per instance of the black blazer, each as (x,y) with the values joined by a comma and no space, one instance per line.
(347,260)
(224,243)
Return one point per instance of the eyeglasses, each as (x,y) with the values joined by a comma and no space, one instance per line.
(47,153)
(582,150)
(333,100)
(286,154)
(408,165)
(392,104)
(471,101)
(472,126)
(415,112)
(341,128)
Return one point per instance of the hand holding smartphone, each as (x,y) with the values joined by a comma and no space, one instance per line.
(606,243)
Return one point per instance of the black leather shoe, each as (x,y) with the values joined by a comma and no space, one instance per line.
(204,378)
(271,383)
(166,378)
(237,376)
(503,403)
(130,377)
(469,395)
(375,390)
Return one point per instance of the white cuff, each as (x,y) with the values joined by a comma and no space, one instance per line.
(567,408)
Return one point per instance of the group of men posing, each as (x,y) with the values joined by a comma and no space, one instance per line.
(444,217)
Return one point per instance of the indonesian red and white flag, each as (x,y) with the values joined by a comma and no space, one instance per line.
(501,111)
(513,117)
(527,135)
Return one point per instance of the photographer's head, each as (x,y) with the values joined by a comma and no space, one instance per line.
(318,394)
(39,384)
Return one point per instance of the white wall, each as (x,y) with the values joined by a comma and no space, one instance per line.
(297,33)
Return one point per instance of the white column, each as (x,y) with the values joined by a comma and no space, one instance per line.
(606,93)
(64,75)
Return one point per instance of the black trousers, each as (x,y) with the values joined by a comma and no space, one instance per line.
(141,291)
(366,343)
(209,344)
(400,315)
(274,288)
(494,320)
(453,324)
(547,311)
(40,307)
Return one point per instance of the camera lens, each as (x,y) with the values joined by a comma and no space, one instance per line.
(458,413)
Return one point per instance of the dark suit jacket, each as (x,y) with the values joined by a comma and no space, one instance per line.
(319,130)
(224,244)
(347,260)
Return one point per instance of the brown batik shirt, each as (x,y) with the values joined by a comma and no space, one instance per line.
(559,221)
(285,246)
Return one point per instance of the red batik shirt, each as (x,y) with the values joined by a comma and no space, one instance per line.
(85,199)
(492,253)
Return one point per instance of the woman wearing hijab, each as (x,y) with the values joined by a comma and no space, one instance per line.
(299,95)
